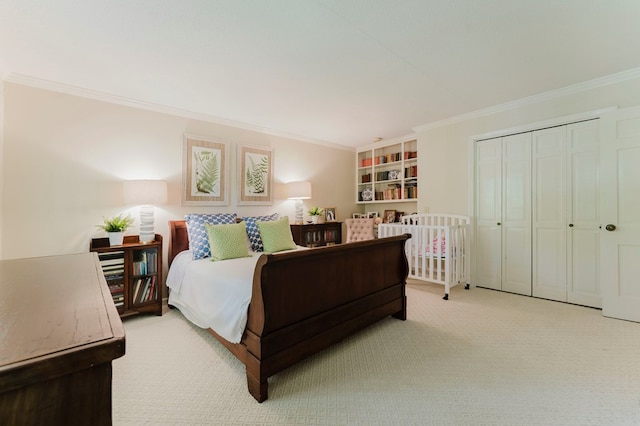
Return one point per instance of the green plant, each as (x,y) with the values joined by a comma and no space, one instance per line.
(116,224)
(315,211)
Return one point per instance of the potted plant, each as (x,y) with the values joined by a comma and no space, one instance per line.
(115,227)
(315,213)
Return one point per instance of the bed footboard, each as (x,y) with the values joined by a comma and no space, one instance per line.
(305,301)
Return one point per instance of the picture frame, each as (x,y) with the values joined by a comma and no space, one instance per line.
(399,216)
(357,215)
(205,171)
(372,215)
(255,175)
(329,214)
(389,216)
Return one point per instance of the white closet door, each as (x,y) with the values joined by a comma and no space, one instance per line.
(516,213)
(620,208)
(584,214)
(488,252)
(550,213)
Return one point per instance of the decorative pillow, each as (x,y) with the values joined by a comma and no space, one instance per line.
(227,241)
(254,233)
(276,235)
(198,238)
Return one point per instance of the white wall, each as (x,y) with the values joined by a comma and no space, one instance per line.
(443,162)
(65,158)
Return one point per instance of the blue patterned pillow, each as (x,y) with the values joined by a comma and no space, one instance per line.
(198,237)
(254,233)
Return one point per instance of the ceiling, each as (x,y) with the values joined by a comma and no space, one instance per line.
(331,71)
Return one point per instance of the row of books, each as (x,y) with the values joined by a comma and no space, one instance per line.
(411,171)
(112,264)
(144,290)
(117,293)
(388,158)
(145,262)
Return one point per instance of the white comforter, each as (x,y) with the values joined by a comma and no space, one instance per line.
(213,295)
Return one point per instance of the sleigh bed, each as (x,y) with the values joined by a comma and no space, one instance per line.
(438,250)
(302,301)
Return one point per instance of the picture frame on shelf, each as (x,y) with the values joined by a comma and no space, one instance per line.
(389,216)
(205,171)
(358,215)
(372,215)
(329,214)
(399,216)
(255,175)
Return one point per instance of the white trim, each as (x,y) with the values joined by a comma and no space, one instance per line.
(553,94)
(539,125)
(53,86)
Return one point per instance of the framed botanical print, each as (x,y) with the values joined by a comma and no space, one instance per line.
(205,171)
(255,175)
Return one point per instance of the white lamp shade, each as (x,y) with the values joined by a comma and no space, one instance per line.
(299,190)
(145,192)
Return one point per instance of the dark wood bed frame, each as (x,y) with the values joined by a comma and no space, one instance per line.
(305,301)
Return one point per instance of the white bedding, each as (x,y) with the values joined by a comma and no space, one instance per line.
(213,295)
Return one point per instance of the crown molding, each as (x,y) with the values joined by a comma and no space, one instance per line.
(82,92)
(545,96)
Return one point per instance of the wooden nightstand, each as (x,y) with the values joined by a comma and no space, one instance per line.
(133,272)
(317,234)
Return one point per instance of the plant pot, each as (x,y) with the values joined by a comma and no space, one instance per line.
(314,219)
(115,238)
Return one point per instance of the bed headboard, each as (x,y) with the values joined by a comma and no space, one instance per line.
(178,238)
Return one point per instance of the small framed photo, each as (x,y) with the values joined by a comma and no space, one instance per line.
(356,215)
(389,216)
(372,215)
(399,216)
(329,214)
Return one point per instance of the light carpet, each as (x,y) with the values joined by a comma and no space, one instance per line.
(481,358)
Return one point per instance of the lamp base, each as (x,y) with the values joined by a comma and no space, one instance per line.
(299,209)
(147,234)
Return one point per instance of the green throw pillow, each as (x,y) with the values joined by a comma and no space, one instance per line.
(276,235)
(227,241)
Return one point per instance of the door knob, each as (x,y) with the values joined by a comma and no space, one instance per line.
(498,223)
(610,227)
(571,225)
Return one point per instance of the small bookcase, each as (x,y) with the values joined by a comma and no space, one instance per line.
(133,272)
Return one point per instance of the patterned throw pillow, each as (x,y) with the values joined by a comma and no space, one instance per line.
(254,233)
(276,235)
(227,241)
(198,238)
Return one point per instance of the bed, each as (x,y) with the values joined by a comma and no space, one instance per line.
(438,250)
(302,301)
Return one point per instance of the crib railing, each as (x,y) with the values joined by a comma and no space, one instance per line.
(438,250)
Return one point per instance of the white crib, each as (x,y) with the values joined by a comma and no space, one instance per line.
(438,250)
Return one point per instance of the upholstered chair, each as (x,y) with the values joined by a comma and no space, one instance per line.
(359,229)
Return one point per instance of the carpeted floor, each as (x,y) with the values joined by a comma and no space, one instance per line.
(480,358)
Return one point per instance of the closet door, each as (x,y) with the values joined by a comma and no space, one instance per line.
(550,213)
(565,216)
(488,235)
(516,213)
(503,214)
(583,254)
(620,209)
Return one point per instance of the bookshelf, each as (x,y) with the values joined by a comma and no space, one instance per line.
(317,234)
(133,272)
(387,173)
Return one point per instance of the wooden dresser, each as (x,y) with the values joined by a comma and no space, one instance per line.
(59,332)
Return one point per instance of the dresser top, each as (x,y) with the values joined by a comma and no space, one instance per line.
(55,305)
